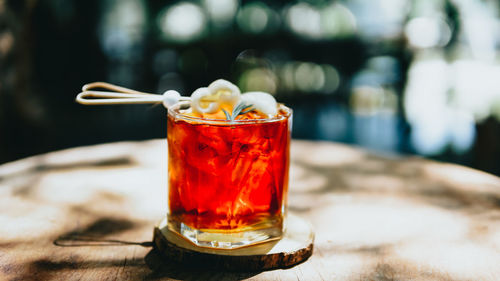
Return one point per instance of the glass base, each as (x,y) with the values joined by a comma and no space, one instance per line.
(218,239)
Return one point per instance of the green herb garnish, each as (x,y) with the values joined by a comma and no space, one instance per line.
(238,110)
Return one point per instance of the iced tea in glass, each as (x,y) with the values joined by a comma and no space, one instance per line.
(228,180)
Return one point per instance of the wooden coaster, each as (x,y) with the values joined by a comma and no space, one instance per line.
(295,247)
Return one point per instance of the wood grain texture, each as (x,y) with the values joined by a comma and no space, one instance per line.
(375,217)
(295,247)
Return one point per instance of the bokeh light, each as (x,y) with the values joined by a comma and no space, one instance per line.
(257,17)
(122,28)
(304,20)
(221,12)
(337,21)
(437,88)
(183,22)
(258,79)
(332,79)
(382,18)
(366,100)
(428,32)
(309,77)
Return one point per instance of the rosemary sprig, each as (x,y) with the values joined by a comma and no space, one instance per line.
(228,116)
(238,110)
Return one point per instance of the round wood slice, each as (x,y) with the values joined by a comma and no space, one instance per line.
(295,247)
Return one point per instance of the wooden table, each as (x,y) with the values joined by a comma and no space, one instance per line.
(375,217)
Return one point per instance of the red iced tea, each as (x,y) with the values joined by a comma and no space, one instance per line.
(228,177)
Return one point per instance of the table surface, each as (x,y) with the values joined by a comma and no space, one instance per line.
(375,217)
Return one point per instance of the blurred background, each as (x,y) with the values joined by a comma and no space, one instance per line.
(393,76)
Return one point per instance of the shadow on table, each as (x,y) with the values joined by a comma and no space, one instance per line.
(443,185)
(97,235)
(159,265)
(162,267)
(38,164)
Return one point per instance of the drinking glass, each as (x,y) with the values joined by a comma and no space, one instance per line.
(228,180)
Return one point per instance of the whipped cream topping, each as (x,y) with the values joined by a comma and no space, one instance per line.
(262,102)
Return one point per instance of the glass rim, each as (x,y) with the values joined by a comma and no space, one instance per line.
(173,111)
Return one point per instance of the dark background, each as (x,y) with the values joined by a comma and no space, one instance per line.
(394,76)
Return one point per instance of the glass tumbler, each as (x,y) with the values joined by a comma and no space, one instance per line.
(228,181)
